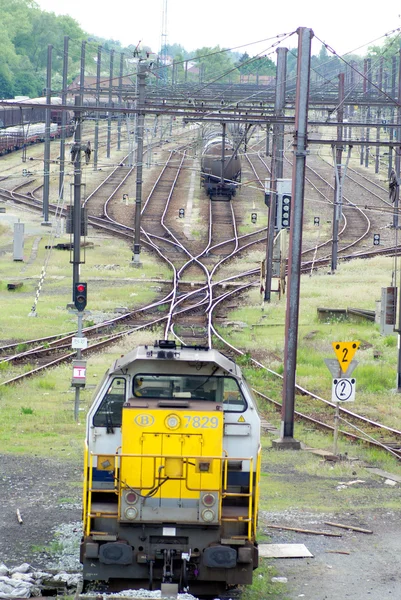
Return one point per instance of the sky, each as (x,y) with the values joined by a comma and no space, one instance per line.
(346,26)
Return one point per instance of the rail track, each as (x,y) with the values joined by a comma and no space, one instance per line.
(195,294)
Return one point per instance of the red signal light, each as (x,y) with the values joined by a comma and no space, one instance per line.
(80,291)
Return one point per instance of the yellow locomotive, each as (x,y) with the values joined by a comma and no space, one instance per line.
(171,478)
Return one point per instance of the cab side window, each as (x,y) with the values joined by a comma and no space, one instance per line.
(109,413)
(233,400)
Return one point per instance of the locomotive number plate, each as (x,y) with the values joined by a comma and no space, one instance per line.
(198,422)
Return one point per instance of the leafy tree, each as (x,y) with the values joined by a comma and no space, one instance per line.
(216,64)
(174,50)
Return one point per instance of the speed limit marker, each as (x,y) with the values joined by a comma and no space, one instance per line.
(343,390)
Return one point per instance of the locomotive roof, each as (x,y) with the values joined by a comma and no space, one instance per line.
(186,354)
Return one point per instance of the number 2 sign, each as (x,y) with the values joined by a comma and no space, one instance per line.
(343,390)
(345,353)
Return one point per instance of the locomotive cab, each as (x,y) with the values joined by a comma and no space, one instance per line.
(171,473)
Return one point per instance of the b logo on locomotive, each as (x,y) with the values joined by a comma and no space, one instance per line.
(144,420)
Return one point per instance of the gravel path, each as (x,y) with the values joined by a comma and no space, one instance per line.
(369,570)
(48,495)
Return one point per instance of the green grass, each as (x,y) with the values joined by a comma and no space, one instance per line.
(107,267)
(262,586)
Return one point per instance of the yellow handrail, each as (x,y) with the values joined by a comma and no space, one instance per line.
(250,499)
(257,492)
(85,487)
(89,507)
(253,503)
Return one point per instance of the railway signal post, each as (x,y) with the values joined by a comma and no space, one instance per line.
(79,343)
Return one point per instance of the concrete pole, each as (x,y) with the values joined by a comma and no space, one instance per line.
(395,220)
(294,263)
(267,151)
(368,112)
(141,78)
(63,119)
(46,173)
(277,164)
(363,110)
(223,152)
(120,100)
(96,143)
(110,103)
(392,131)
(379,116)
(337,211)
(77,194)
(398,156)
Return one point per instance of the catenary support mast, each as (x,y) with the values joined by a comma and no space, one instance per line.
(294,261)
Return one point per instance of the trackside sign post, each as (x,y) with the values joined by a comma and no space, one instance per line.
(345,353)
(343,385)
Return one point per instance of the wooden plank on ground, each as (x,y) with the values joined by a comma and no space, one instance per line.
(309,531)
(284,551)
(351,527)
(384,474)
(323,453)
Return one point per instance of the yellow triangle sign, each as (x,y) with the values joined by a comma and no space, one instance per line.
(241,419)
(345,353)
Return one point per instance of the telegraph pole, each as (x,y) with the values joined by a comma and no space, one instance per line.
(141,79)
(286,440)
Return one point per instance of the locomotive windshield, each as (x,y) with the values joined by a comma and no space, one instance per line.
(196,387)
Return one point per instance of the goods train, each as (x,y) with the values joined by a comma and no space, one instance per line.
(15,138)
(171,474)
(220,182)
(23,114)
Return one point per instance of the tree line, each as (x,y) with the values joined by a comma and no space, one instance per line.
(27,31)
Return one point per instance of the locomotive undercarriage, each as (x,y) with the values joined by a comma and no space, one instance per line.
(201,560)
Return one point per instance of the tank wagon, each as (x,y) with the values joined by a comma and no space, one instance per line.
(220,183)
(171,475)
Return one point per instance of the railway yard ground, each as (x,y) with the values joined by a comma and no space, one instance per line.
(41,447)
(356,565)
